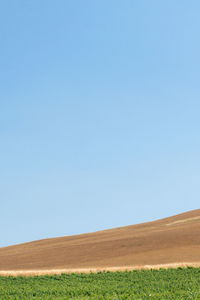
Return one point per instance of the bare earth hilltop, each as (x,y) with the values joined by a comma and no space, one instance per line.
(169,242)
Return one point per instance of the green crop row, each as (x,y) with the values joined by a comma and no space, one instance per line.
(145,284)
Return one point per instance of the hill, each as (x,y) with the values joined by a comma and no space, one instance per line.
(172,240)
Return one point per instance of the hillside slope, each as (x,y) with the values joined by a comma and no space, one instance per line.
(170,240)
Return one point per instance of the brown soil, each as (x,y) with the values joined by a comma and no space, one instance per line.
(170,242)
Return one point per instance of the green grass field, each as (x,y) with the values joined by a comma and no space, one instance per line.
(146,284)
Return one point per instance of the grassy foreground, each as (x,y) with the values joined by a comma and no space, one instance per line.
(146,284)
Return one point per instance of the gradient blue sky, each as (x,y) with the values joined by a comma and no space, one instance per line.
(99,114)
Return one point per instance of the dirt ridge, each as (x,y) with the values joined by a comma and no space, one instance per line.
(171,241)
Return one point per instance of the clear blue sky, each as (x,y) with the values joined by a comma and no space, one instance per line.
(99,114)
